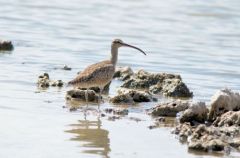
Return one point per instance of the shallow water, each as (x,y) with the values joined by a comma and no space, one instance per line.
(198,39)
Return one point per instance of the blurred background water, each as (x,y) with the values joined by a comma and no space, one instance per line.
(200,40)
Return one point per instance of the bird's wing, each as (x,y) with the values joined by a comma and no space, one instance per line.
(101,70)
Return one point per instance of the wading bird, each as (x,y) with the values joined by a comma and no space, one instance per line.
(100,74)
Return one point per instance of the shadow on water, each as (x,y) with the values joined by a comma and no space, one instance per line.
(93,138)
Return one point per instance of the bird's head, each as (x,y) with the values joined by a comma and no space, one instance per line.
(117,43)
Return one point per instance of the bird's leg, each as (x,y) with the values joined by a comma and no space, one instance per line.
(99,98)
(86,97)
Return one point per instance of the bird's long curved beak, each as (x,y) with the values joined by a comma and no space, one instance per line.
(128,45)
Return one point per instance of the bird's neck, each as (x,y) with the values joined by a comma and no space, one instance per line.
(114,53)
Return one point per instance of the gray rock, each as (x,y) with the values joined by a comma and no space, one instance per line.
(123,73)
(223,101)
(79,95)
(196,112)
(207,145)
(169,84)
(169,108)
(44,81)
(6,46)
(131,96)
(228,119)
(65,67)
(183,131)
(122,99)
(143,79)
(235,143)
(208,138)
(97,90)
(175,88)
(58,83)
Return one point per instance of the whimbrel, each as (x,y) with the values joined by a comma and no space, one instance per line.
(101,73)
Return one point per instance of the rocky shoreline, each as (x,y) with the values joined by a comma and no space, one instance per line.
(207,128)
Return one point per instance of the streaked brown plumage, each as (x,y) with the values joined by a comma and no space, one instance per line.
(100,74)
(95,75)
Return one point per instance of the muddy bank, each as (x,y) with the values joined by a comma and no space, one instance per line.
(6,45)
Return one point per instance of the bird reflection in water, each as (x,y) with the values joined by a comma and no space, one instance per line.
(94,140)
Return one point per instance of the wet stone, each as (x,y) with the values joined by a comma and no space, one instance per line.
(97,90)
(196,112)
(67,68)
(172,88)
(143,79)
(122,98)
(58,83)
(207,145)
(130,96)
(79,95)
(44,81)
(235,143)
(123,73)
(6,46)
(208,138)
(160,119)
(168,84)
(223,101)
(183,131)
(230,118)
(169,108)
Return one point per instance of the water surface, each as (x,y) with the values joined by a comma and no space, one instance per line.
(198,39)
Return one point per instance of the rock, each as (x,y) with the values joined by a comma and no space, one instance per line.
(65,67)
(122,98)
(6,46)
(44,81)
(169,108)
(196,112)
(131,96)
(58,83)
(184,131)
(223,101)
(208,144)
(168,84)
(228,119)
(123,73)
(235,143)
(160,119)
(208,138)
(172,88)
(79,95)
(97,90)
(143,79)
